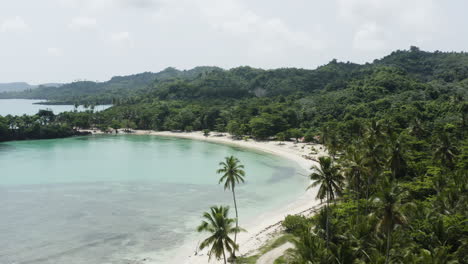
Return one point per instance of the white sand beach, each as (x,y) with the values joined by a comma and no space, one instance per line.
(267,224)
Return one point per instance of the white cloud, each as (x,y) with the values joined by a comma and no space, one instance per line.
(369,37)
(382,25)
(233,19)
(56,52)
(154,34)
(139,3)
(16,24)
(87,4)
(106,4)
(120,36)
(80,23)
(121,39)
(409,12)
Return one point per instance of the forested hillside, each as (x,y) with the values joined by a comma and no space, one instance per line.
(93,93)
(267,102)
(405,87)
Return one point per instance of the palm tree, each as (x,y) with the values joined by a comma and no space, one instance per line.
(437,255)
(389,206)
(375,131)
(361,233)
(328,176)
(373,153)
(417,129)
(355,170)
(310,248)
(218,223)
(445,151)
(330,139)
(233,173)
(463,109)
(397,161)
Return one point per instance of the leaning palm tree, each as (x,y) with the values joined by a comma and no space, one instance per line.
(233,173)
(218,223)
(389,206)
(328,176)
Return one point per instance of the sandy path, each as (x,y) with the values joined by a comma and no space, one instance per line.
(266,224)
(272,255)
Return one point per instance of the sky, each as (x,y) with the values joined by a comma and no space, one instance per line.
(67,40)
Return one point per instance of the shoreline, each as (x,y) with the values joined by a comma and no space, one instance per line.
(266,225)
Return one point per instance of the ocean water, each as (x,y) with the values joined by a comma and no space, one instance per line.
(28,107)
(116,199)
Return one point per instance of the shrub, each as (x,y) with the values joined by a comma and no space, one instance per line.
(296,224)
(309,137)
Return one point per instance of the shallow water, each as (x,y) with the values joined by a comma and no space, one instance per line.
(104,199)
(28,107)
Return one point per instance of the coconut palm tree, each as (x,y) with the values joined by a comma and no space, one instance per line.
(373,153)
(434,256)
(330,139)
(389,209)
(445,151)
(362,235)
(218,223)
(355,170)
(463,110)
(396,162)
(328,176)
(310,248)
(375,131)
(417,129)
(232,174)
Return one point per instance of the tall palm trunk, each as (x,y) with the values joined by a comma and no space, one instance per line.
(387,255)
(367,193)
(224,255)
(237,220)
(327,220)
(358,200)
(358,196)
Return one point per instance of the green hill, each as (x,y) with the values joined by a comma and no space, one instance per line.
(15,87)
(88,92)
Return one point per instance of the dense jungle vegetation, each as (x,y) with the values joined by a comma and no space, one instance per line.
(391,195)
(396,183)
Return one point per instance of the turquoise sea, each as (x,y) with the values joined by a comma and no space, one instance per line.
(104,199)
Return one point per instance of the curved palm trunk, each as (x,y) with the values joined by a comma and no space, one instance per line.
(237,221)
